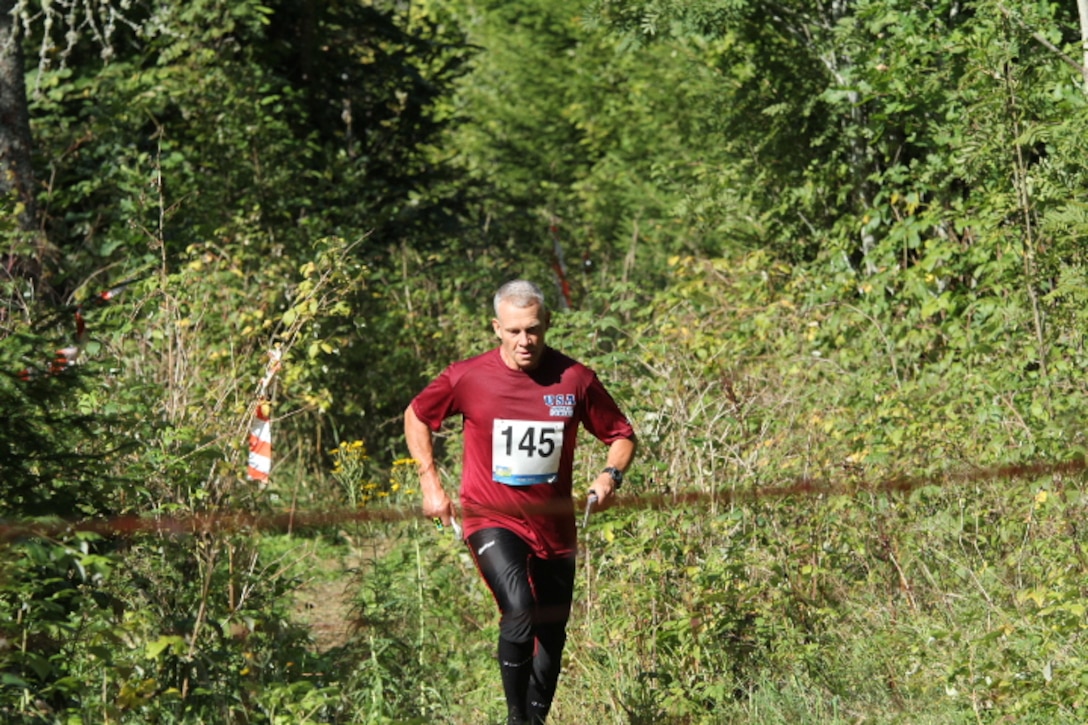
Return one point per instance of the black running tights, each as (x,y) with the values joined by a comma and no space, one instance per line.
(534,597)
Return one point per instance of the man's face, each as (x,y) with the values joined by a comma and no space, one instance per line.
(521,335)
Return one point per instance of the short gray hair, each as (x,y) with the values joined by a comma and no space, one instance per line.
(520,293)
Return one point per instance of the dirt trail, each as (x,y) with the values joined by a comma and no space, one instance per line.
(324,602)
(324,605)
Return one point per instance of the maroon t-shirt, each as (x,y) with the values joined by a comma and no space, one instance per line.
(520,429)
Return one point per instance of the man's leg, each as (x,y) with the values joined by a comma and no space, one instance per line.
(553,583)
(503,561)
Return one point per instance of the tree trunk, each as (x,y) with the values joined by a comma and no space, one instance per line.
(16,172)
(1082,6)
(23,252)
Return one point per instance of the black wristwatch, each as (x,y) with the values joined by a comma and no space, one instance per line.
(617,476)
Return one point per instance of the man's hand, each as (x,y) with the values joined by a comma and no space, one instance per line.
(436,503)
(620,453)
(604,489)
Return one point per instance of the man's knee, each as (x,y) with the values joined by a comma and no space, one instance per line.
(517,626)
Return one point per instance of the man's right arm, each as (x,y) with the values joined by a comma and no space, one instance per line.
(436,504)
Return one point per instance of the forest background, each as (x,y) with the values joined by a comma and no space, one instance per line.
(830,256)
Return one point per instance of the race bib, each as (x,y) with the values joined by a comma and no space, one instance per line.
(524,452)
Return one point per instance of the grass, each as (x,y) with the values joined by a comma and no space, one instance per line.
(948,606)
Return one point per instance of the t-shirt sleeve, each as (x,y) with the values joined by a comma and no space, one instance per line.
(603,418)
(437,401)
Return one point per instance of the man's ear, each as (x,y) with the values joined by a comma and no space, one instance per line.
(495,327)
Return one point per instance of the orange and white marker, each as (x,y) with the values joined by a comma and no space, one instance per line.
(260,443)
(260,432)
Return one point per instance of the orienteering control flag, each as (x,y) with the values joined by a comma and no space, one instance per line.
(260,431)
(260,443)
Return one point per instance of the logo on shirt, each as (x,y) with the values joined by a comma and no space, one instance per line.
(561,406)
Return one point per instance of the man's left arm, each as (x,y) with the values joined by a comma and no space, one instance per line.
(620,454)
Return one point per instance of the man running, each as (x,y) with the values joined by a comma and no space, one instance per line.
(521,404)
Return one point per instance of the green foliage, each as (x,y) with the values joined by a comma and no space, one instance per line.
(395,648)
(155,637)
(54,610)
(60,455)
(214,651)
(265,124)
(591,155)
(55,459)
